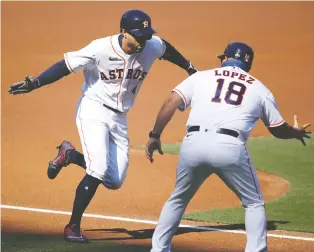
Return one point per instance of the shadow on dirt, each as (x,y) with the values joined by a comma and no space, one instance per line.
(30,242)
(148,233)
(107,240)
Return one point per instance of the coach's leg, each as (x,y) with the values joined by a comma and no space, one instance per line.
(242,179)
(255,214)
(190,176)
(256,227)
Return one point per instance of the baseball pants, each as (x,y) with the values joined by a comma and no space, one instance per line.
(105,143)
(202,154)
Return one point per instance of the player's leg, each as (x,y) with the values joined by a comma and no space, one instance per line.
(94,135)
(190,175)
(84,193)
(76,157)
(67,154)
(242,179)
(118,153)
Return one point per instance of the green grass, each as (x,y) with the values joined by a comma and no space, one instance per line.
(287,159)
(293,211)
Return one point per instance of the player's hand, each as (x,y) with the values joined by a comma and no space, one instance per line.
(302,131)
(152,145)
(25,86)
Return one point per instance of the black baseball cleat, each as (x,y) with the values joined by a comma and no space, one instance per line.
(73,234)
(61,160)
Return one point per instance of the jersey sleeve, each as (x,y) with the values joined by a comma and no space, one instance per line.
(159,46)
(185,89)
(271,116)
(82,58)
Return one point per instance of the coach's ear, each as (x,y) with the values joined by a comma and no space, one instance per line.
(124,33)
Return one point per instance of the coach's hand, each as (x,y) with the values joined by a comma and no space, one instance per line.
(25,86)
(152,145)
(302,132)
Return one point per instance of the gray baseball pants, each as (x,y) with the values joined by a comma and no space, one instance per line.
(202,154)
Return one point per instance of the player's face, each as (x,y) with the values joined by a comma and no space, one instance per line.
(135,44)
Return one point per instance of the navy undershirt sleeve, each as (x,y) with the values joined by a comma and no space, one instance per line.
(173,56)
(53,73)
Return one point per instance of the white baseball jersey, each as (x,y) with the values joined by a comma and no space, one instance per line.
(111,76)
(228,97)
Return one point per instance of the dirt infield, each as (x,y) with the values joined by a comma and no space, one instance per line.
(35,35)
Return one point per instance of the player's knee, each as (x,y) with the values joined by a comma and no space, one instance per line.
(116,186)
(113,184)
(253,201)
(255,204)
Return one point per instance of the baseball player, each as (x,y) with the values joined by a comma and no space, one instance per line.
(114,69)
(226,103)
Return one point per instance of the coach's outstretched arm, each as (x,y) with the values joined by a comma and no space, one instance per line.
(286,131)
(172,55)
(164,116)
(52,74)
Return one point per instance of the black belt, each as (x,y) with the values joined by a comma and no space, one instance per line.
(112,109)
(220,131)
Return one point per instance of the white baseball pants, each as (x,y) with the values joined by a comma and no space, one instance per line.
(105,142)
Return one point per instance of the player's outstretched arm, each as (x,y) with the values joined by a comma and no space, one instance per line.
(286,131)
(52,74)
(164,116)
(172,55)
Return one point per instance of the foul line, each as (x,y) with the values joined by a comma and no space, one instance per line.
(98,216)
